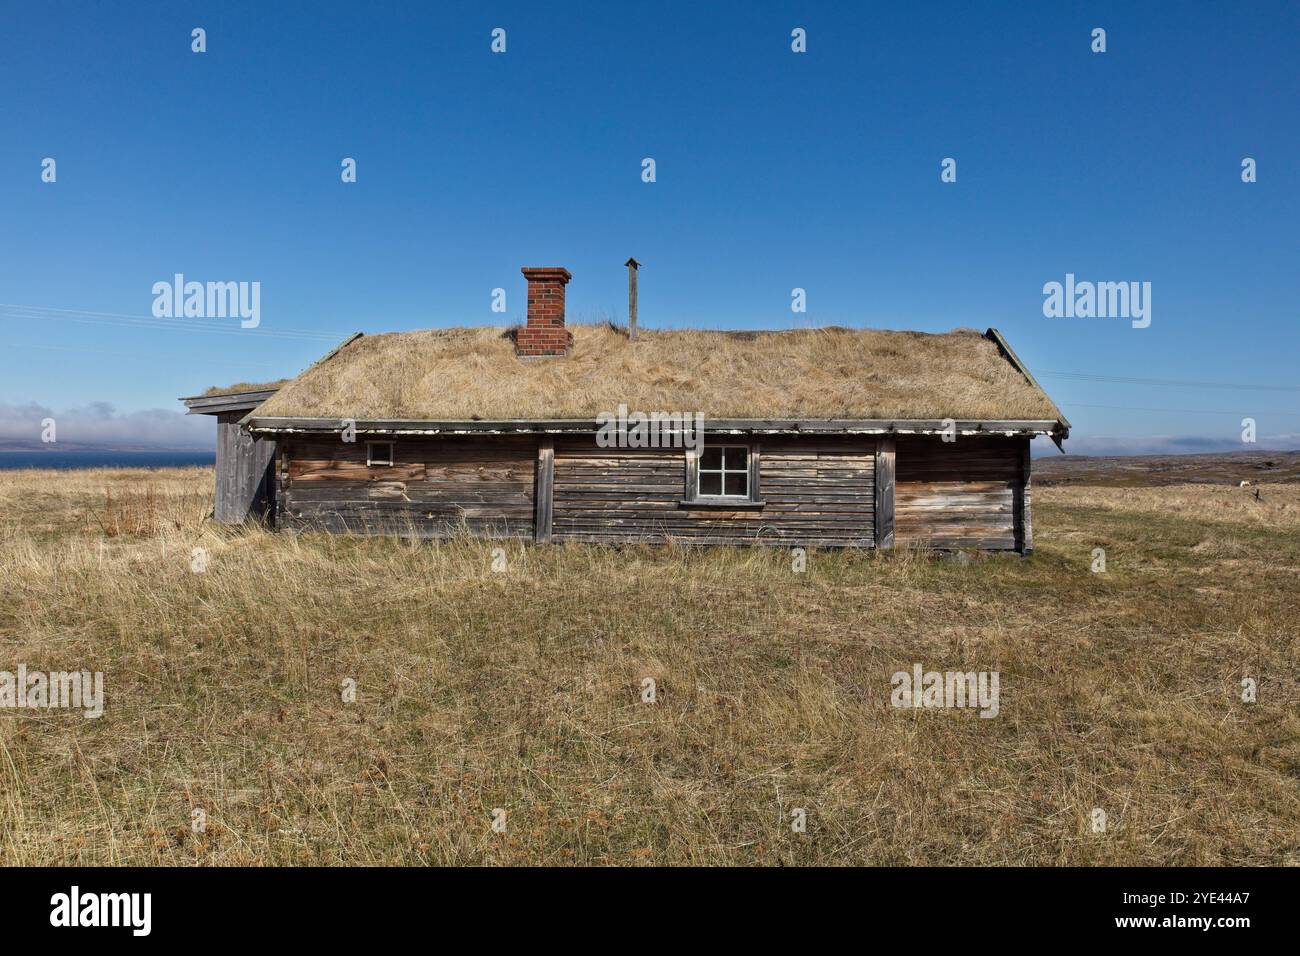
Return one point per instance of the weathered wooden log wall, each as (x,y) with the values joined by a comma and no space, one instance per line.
(435,488)
(817,491)
(961,494)
(245,485)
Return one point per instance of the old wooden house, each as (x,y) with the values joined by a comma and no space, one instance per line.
(819,437)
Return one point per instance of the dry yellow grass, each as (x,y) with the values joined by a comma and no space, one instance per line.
(243,387)
(1278,506)
(521,690)
(463,374)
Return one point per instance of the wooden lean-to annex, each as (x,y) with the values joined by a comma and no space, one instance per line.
(245,463)
(831,437)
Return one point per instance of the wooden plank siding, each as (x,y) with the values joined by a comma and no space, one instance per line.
(818,491)
(961,494)
(435,487)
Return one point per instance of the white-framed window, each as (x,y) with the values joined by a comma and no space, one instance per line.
(723,473)
(379,454)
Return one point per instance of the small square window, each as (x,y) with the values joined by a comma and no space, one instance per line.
(723,472)
(379,454)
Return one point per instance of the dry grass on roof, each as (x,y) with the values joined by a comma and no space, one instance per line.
(463,374)
(244,387)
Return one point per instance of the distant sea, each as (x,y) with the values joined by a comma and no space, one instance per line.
(105,459)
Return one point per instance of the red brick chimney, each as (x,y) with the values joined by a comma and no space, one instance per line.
(544,335)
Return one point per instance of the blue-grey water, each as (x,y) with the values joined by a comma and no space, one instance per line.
(104,459)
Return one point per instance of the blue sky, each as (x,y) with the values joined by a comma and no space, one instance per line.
(775,170)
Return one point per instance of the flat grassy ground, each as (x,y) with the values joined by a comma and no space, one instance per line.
(521,690)
(1227,468)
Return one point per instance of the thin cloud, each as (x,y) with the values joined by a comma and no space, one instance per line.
(99,423)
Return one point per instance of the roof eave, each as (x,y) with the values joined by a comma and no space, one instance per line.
(229,402)
(774,426)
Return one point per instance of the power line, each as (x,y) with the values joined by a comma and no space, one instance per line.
(164,325)
(120,320)
(138,353)
(153,323)
(173,325)
(1180,383)
(1184,411)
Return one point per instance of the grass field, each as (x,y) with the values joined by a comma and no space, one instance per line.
(521,690)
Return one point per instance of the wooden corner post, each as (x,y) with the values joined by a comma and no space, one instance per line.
(1023,511)
(545,490)
(885,493)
